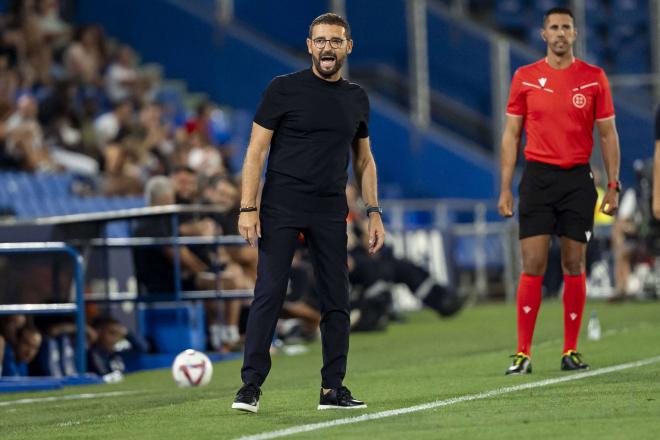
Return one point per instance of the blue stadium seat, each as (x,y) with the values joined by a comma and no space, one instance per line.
(26,208)
(596,12)
(119,229)
(133,202)
(512,15)
(540,6)
(632,12)
(597,49)
(631,47)
(173,329)
(417,219)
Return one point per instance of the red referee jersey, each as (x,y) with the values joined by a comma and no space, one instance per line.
(559,108)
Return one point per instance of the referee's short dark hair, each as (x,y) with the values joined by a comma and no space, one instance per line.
(557,10)
(332,19)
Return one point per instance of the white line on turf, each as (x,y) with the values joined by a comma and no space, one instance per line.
(69,397)
(440,403)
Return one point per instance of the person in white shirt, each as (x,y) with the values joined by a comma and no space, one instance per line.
(121,78)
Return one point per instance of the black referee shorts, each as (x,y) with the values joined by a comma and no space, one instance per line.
(556,200)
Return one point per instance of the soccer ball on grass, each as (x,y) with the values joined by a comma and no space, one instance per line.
(192,368)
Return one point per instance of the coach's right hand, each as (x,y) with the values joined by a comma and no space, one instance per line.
(249,227)
(505,204)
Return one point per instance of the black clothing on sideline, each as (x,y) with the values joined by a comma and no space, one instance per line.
(314,123)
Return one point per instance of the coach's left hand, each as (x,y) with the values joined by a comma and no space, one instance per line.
(610,202)
(376,233)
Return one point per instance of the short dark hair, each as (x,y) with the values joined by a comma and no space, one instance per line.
(557,10)
(333,19)
(26,331)
(100,322)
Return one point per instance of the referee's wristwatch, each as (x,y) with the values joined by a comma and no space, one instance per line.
(615,186)
(377,209)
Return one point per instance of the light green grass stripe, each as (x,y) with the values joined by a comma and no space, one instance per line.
(440,403)
(69,397)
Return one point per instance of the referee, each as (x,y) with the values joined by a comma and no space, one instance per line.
(311,120)
(557,100)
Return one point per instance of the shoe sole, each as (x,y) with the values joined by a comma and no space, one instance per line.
(519,373)
(322,407)
(245,407)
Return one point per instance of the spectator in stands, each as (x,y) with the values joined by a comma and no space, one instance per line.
(102,357)
(157,138)
(153,266)
(85,58)
(187,191)
(8,77)
(109,125)
(223,193)
(25,34)
(11,43)
(121,78)
(203,157)
(185,184)
(7,160)
(10,325)
(55,31)
(25,141)
(17,356)
(201,122)
(152,263)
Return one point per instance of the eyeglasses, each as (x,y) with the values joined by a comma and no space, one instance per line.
(335,43)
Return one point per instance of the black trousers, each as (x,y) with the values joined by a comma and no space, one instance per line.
(325,234)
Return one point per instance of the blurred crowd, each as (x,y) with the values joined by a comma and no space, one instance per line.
(43,346)
(73,99)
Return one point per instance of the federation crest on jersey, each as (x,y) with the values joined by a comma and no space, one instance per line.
(579,100)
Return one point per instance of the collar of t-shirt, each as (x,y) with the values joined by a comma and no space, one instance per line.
(311,75)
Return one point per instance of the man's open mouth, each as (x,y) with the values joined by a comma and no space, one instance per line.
(328,62)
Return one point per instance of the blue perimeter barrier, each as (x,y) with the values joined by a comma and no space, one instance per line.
(77,308)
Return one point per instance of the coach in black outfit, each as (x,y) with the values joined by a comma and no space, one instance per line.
(311,120)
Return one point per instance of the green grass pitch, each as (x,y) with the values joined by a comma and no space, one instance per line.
(424,360)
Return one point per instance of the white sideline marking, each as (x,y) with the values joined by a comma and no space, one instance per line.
(69,397)
(440,403)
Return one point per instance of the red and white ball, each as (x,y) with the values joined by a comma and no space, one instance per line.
(192,368)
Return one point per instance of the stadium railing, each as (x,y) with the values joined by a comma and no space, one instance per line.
(471,235)
(77,307)
(87,232)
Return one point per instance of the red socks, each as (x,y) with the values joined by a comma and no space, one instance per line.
(575,294)
(529,302)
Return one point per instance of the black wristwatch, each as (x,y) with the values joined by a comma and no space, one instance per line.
(377,209)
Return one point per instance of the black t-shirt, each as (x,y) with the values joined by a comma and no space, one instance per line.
(314,123)
(657,124)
